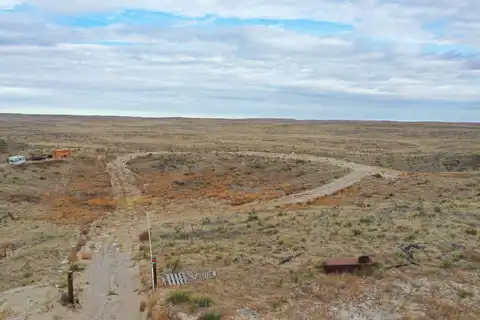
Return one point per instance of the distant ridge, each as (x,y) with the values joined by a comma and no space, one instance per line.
(257,120)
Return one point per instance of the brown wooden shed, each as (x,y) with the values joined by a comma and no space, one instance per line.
(60,154)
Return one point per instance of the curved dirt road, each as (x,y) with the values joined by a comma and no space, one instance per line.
(125,179)
(358,172)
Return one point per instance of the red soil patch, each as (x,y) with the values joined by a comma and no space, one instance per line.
(87,196)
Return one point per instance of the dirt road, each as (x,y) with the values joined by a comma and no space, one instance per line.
(122,178)
(111,293)
(358,172)
(113,285)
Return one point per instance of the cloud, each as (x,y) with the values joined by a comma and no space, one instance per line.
(474,64)
(362,59)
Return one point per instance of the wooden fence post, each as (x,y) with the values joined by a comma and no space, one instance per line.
(154,270)
(70,287)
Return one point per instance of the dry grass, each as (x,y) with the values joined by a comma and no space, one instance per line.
(160,311)
(74,252)
(135,201)
(86,197)
(235,179)
(160,315)
(210,315)
(143,306)
(196,226)
(335,199)
(47,206)
(85,255)
(40,245)
(245,250)
(403,146)
(106,203)
(6,314)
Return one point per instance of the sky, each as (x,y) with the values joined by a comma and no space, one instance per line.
(407,60)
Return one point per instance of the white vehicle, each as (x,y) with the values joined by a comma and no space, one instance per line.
(16,160)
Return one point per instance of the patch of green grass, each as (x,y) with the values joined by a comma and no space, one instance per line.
(186,297)
(202,301)
(446,264)
(6,314)
(179,297)
(63,283)
(411,237)
(278,302)
(462,293)
(420,208)
(471,231)
(279,283)
(26,281)
(252,216)
(356,232)
(211,315)
(78,266)
(175,265)
(367,219)
(142,255)
(459,256)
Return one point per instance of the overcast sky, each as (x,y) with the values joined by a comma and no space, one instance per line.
(317,59)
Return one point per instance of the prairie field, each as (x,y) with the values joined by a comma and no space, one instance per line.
(263,203)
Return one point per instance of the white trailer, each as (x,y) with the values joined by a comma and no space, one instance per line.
(16,160)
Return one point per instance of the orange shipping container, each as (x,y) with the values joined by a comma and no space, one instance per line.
(58,154)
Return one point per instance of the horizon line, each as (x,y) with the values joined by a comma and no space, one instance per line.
(234,118)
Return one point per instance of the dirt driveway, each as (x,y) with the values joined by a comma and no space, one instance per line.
(112,278)
(113,286)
